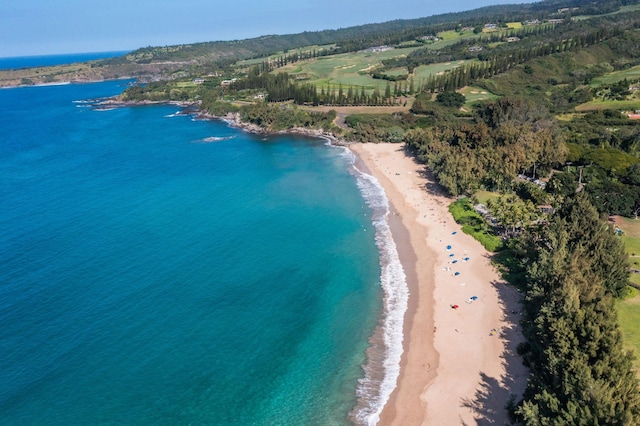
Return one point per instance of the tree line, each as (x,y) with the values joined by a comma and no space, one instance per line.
(509,137)
(579,372)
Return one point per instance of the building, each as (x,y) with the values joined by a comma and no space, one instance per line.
(227,83)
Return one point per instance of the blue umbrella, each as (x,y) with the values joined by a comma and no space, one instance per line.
(448,247)
(457,273)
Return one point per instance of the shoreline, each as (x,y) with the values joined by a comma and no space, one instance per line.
(447,374)
(455,368)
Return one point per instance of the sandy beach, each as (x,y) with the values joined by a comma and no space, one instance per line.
(459,365)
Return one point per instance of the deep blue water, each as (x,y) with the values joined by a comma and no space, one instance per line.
(49,60)
(156,269)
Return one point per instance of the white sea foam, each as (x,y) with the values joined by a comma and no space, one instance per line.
(211,139)
(383,356)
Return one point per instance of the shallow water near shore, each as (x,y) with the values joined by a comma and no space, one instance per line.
(158,269)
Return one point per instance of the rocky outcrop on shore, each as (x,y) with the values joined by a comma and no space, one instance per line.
(234,119)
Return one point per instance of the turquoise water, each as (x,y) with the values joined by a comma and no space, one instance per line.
(157,269)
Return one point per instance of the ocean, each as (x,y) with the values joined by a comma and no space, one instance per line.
(160,269)
(50,60)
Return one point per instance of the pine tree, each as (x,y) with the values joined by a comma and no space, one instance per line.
(580,373)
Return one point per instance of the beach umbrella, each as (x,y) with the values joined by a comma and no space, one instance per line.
(454,232)
(451,255)
(474,297)
(457,273)
(448,247)
(455,306)
(455,261)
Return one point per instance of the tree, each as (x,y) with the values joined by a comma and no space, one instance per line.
(580,374)
(451,99)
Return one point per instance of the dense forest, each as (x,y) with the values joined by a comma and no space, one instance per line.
(580,373)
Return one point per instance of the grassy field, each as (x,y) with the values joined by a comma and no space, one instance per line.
(349,69)
(514,25)
(476,94)
(616,105)
(47,75)
(629,309)
(484,196)
(623,9)
(424,71)
(276,55)
(630,237)
(629,318)
(632,73)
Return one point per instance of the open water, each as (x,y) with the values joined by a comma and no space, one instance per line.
(50,60)
(158,269)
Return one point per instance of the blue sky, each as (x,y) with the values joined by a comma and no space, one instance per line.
(39,27)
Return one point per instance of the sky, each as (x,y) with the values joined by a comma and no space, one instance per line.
(43,27)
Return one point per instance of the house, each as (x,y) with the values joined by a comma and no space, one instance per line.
(512,39)
(531,22)
(198,80)
(475,48)
(227,83)
(555,21)
(546,208)
(490,26)
(634,116)
(378,49)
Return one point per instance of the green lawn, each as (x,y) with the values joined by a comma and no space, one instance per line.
(632,73)
(629,318)
(623,9)
(629,309)
(484,196)
(447,38)
(424,71)
(248,62)
(631,239)
(476,94)
(349,69)
(632,246)
(617,105)
(473,224)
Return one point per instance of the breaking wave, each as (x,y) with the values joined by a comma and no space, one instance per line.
(382,367)
(212,139)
